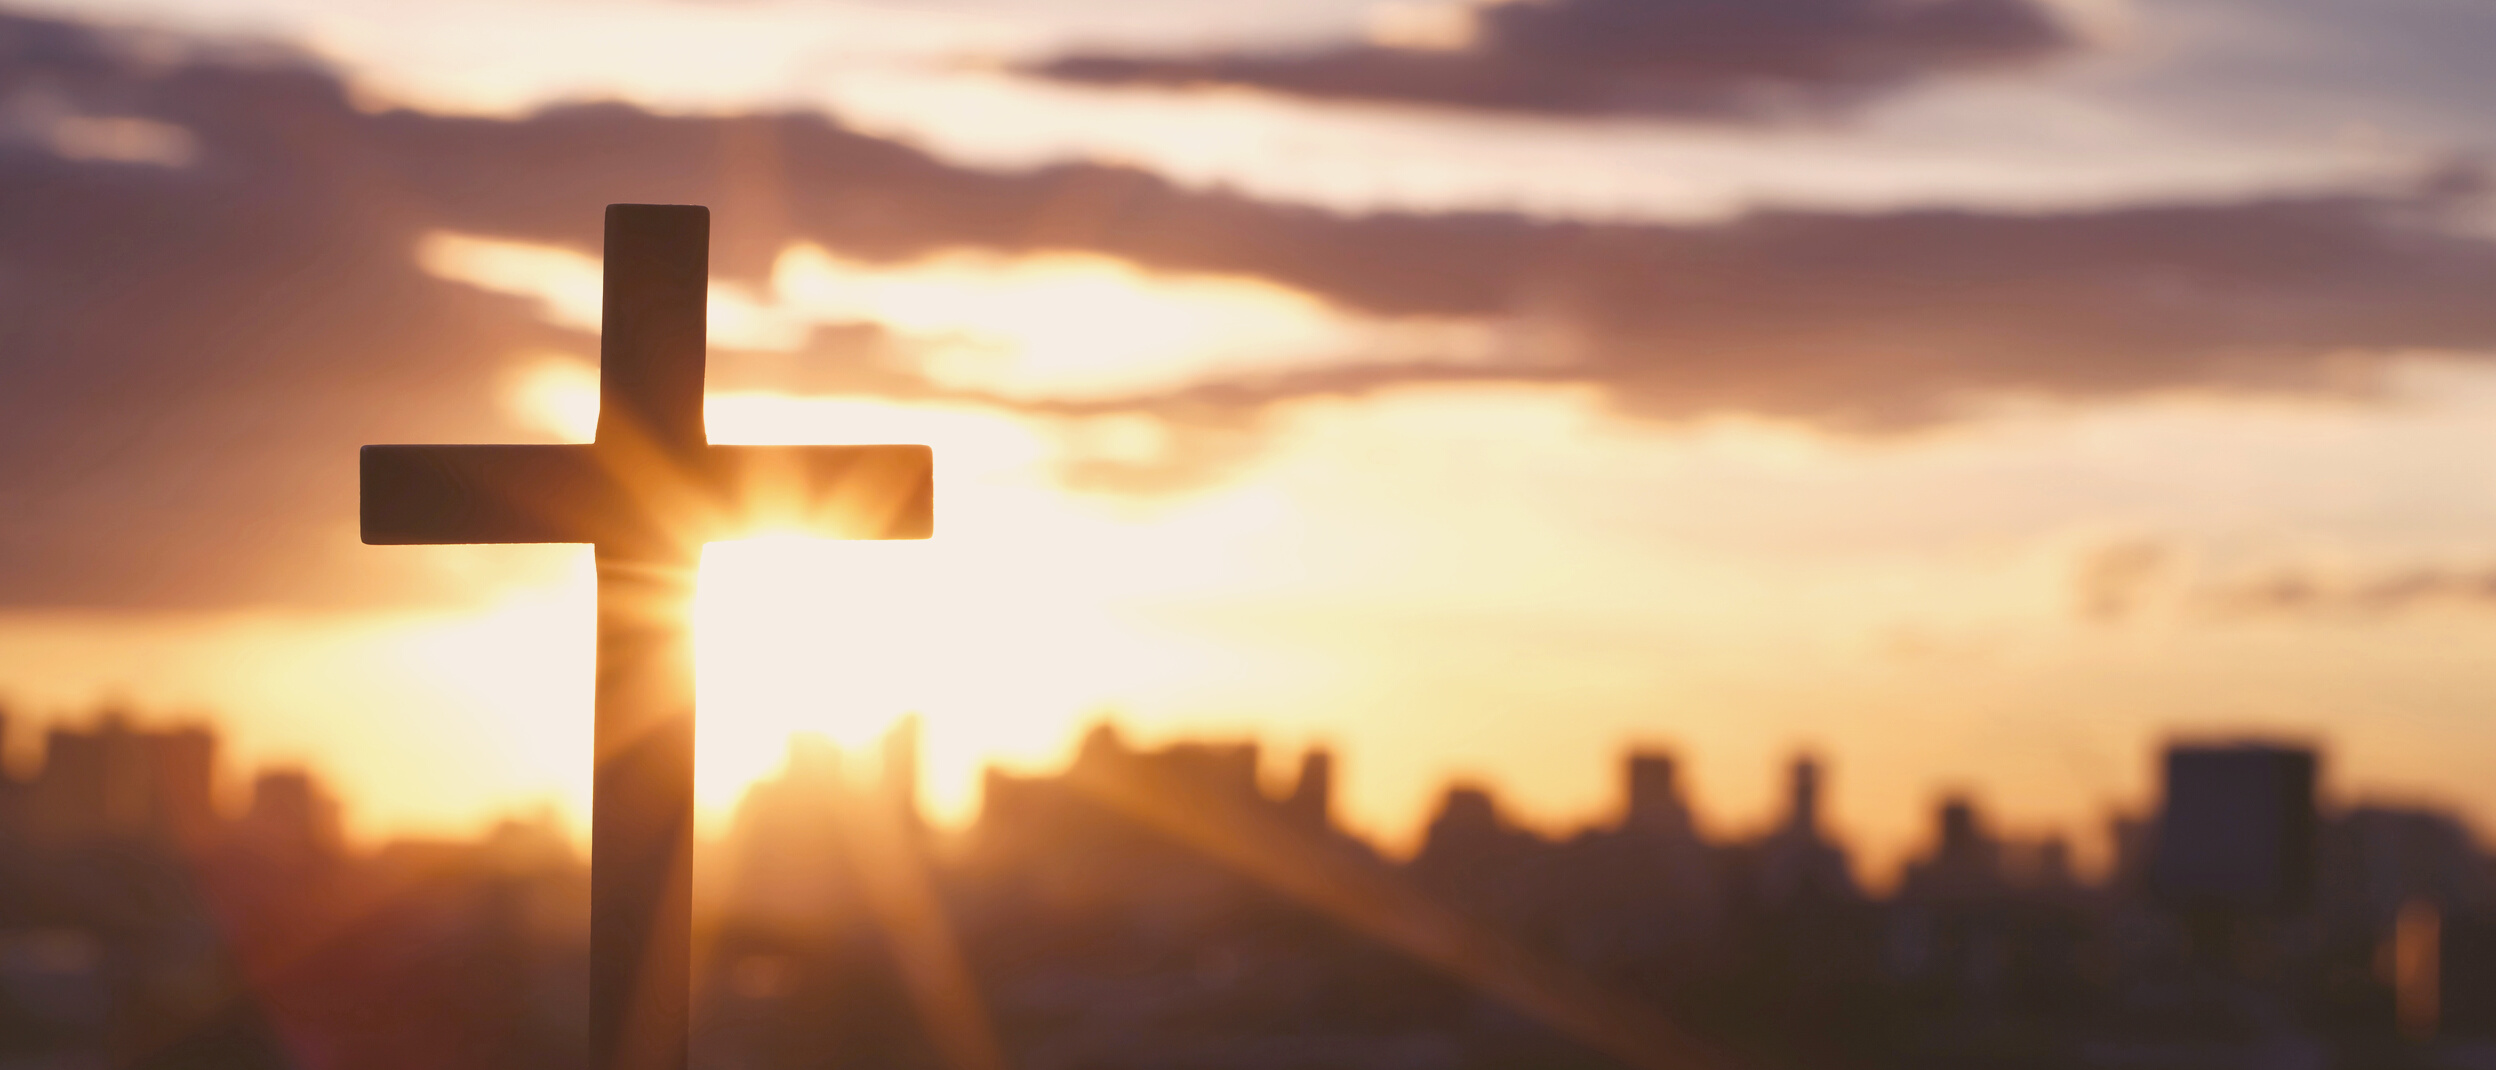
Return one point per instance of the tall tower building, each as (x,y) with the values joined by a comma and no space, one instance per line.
(2236,827)
(182,780)
(1797,860)
(1312,799)
(1652,795)
(1802,808)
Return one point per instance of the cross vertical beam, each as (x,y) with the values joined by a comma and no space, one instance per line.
(641,816)
(652,325)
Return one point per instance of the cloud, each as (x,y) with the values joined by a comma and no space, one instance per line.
(2120,581)
(1711,59)
(2111,583)
(1862,321)
(1890,321)
(193,342)
(197,327)
(2297,591)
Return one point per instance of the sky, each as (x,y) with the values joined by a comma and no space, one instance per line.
(1975,393)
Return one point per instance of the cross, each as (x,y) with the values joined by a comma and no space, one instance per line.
(648,493)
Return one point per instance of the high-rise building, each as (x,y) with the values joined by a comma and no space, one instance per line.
(119,781)
(182,782)
(291,818)
(1312,799)
(2236,828)
(1467,818)
(1966,859)
(1802,808)
(1797,861)
(70,794)
(1652,796)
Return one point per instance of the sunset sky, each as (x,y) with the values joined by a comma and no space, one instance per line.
(1973,392)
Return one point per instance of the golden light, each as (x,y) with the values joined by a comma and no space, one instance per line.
(1036,608)
(1018,620)
(516,672)
(791,639)
(1036,325)
(1004,632)
(1065,323)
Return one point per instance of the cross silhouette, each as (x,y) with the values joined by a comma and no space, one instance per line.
(649,492)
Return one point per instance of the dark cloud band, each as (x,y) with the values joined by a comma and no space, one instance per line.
(1711,59)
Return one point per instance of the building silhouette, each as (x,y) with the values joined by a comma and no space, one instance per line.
(2236,830)
(1164,907)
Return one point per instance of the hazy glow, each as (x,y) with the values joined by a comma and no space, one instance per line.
(1052,324)
(1006,631)
(1014,624)
(1065,323)
(556,393)
(1430,26)
(1908,607)
(1501,583)
(1506,583)
(431,723)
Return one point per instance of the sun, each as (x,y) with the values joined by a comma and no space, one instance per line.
(1004,632)
(797,636)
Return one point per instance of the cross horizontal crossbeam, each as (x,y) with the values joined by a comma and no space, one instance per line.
(417,495)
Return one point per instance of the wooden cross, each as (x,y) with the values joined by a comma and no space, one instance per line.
(649,492)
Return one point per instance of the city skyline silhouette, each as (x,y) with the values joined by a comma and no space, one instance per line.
(2085,851)
(819,857)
